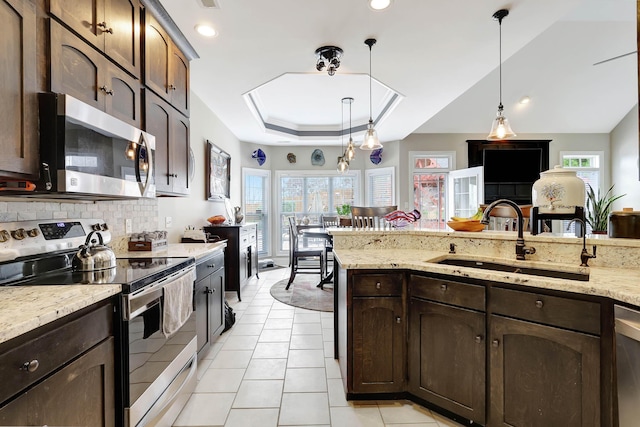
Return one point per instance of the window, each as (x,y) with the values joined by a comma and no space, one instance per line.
(429,182)
(588,167)
(256,184)
(308,195)
(381,186)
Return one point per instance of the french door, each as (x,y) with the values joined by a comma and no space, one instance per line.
(255,188)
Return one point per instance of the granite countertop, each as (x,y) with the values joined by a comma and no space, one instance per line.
(24,308)
(615,283)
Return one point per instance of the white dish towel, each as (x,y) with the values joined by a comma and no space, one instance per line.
(178,303)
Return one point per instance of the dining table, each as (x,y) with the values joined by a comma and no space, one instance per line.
(320,233)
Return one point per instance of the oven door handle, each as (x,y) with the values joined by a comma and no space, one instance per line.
(137,303)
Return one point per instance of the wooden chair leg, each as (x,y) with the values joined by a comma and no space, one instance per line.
(293,273)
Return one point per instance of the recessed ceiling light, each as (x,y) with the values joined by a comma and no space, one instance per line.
(525,100)
(379,4)
(206,30)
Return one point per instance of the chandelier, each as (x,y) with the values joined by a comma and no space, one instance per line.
(328,58)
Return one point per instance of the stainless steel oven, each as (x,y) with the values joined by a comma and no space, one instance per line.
(162,370)
(156,369)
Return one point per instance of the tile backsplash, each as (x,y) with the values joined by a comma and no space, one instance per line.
(142,212)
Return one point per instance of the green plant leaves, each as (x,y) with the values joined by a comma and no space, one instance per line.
(599,207)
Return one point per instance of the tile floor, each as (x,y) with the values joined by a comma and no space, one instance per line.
(275,367)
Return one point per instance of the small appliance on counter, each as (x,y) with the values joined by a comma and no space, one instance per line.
(559,194)
(191,235)
(625,224)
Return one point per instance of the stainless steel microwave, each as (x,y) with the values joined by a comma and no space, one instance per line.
(86,153)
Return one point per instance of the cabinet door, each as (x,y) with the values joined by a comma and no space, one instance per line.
(201,305)
(157,123)
(76,68)
(82,16)
(122,97)
(18,102)
(243,264)
(542,376)
(157,52)
(447,357)
(179,80)
(122,41)
(378,358)
(179,161)
(216,304)
(80,394)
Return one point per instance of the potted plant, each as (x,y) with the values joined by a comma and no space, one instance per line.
(344,212)
(598,209)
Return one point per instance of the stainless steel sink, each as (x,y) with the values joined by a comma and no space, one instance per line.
(534,271)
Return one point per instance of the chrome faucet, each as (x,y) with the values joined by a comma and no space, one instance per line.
(521,249)
(584,255)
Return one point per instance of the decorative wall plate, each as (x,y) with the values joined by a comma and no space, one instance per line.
(376,156)
(291,157)
(260,156)
(317,157)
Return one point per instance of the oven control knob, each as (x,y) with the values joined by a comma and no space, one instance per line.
(19,234)
(4,236)
(34,232)
(95,227)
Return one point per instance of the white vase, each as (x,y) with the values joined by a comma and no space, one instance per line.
(558,191)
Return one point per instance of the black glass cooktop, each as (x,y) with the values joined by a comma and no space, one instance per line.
(131,273)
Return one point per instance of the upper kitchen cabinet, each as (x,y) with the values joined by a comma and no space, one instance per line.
(171,130)
(18,101)
(166,66)
(112,26)
(82,72)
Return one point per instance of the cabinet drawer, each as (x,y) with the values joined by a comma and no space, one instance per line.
(53,349)
(551,310)
(211,264)
(377,285)
(448,292)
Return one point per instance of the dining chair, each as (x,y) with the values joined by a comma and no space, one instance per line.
(504,218)
(329,221)
(371,217)
(304,260)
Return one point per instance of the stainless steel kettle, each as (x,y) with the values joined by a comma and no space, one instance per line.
(93,255)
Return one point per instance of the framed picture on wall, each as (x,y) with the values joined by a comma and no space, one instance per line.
(219,176)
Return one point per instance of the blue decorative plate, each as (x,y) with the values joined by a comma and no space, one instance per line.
(376,156)
(317,157)
(260,156)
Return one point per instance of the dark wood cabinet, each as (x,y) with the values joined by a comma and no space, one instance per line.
(171,130)
(166,67)
(111,26)
(84,73)
(241,258)
(69,375)
(377,360)
(446,353)
(209,299)
(18,86)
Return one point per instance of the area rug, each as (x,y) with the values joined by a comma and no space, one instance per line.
(304,293)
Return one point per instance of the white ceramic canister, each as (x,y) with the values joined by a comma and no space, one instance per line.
(558,191)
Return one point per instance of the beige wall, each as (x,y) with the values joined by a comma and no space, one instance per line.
(624,152)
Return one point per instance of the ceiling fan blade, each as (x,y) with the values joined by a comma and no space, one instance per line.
(616,57)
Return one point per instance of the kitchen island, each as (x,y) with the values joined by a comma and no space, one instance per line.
(493,347)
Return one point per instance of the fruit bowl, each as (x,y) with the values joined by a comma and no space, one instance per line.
(216,220)
(466,225)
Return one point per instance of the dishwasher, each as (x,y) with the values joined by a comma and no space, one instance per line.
(627,324)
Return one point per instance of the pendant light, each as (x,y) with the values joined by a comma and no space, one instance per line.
(350,154)
(371,141)
(343,164)
(500,129)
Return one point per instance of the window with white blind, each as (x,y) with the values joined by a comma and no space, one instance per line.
(381,184)
(588,167)
(307,195)
(429,182)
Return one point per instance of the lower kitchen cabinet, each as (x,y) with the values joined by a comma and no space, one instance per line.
(209,299)
(378,334)
(67,375)
(241,260)
(447,357)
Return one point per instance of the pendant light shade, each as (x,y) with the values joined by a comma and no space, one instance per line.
(343,163)
(350,153)
(371,141)
(500,128)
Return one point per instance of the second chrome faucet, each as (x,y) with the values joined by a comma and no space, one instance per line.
(585,256)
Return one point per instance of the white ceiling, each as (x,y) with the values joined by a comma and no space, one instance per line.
(439,57)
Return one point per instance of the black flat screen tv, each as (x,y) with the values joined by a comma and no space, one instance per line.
(522,165)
